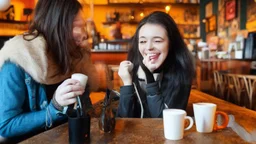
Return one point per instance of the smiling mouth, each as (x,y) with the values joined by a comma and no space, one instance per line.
(153,56)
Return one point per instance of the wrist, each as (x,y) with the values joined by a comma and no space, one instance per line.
(56,104)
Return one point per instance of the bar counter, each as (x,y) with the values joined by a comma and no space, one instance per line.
(112,57)
(133,130)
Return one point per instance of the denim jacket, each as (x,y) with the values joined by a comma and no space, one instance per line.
(23,103)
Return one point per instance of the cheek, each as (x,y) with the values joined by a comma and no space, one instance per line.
(165,49)
(76,32)
(141,49)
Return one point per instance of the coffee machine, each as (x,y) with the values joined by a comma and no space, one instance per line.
(249,51)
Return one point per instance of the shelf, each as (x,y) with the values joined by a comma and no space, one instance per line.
(191,37)
(108,51)
(13,22)
(118,41)
(151,4)
(135,22)
(179,24)
(113,22)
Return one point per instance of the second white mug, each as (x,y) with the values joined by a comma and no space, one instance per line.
(205,117)
(174,120)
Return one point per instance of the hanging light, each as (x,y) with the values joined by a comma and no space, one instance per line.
(4,5)
(141,14)
(167,8)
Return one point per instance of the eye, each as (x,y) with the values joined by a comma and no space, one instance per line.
(158,40)
(142,41)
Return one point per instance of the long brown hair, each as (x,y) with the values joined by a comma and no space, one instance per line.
(53,19)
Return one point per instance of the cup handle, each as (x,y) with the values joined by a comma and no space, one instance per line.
(225,123)
(191,122)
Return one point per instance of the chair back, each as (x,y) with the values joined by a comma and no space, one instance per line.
(250,84)
(220,84)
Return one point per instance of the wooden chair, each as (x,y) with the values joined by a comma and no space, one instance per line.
(231,84)
(241,87)
(250,84)
(220,84)
(235,87)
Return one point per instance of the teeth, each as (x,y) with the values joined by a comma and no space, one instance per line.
(151,54)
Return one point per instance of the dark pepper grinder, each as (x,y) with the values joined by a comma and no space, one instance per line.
(107,120)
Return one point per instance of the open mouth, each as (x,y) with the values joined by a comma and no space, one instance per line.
(153,57)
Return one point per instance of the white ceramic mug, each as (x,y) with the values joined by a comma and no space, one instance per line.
(205,117)
(81,78)
(174,120)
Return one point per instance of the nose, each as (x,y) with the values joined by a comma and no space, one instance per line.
(84,34)
(149,45)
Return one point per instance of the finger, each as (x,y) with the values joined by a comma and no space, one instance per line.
(69,82)
(71,88)
(124,62)
(72,95)
(69,101)
(145,61)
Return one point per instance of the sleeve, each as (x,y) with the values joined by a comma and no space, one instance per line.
(15,120)
(179,100)
(156,102)
(126,102)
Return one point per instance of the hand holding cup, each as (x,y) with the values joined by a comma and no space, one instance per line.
(79,126)
(67,91)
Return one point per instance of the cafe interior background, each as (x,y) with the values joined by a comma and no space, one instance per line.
(219,34)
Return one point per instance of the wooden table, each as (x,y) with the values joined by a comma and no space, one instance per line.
(132,130)
(243,116)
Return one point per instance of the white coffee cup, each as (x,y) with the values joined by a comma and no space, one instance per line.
(174,120)
(205,117)
(81,78)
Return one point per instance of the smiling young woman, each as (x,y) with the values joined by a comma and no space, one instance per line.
(162,71)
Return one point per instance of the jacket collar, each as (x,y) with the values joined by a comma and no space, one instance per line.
(141,75)
(32,56)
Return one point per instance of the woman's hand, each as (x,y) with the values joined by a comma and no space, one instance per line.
(147,62)
(66,92)
(124,72)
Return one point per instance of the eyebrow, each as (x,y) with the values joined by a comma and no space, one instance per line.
(153,37)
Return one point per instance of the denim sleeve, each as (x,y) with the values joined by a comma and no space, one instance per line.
(14,121)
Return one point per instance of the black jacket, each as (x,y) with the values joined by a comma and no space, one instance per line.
(152,99)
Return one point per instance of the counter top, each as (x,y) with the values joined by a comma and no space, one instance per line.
(108,51)
(150,130)
(206,60)
(135,130)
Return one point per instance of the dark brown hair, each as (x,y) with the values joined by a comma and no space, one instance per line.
(178,67)
(53,19)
